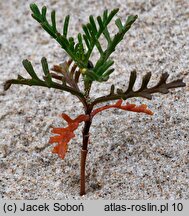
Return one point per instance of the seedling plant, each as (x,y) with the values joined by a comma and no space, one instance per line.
(79,68)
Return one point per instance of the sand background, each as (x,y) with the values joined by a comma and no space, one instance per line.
(131,156)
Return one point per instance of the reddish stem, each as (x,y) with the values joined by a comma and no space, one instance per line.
(84,150)
(67,133)
(82,171)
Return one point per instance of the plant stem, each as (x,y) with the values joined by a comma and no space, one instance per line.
(84,153)
(82,173)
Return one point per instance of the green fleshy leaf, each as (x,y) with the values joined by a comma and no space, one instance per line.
(53,20)
(43,12)
(65,27)
(35,9)
(29,68)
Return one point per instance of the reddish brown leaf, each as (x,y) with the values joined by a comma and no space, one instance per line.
(130,107)
(65,134)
